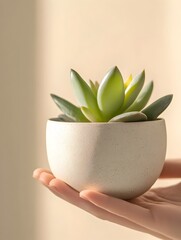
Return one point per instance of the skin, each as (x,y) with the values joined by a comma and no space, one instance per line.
(157,212)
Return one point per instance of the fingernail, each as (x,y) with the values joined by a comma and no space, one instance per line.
(35,175)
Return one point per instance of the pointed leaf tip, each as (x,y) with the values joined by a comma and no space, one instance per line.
(133,90)
(142,98)
(69,109)
(157,107)
(128,81)
(110,94)
(84,94)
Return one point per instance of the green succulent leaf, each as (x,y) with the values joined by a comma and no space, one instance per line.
(142,98)
(96,85)
(61,119)
(133,90)
(157,107)
(65,118)
(110,94)
(69,109)
(129,117)
(84,93)
(128,81)
(93,87)
(113,100)
(89,115)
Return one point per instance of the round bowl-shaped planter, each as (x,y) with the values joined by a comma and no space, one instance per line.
(119,159)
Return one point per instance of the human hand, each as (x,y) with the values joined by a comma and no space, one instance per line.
(157,212)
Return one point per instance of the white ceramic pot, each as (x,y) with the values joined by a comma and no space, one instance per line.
(119,159)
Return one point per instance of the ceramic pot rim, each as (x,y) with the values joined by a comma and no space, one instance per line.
(55,120)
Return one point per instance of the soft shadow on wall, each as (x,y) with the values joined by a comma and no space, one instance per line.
(18,120)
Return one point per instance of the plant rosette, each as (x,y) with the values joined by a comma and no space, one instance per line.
(112,143)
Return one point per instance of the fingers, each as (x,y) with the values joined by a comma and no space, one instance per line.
(38,171)
(65,192)
(170,194)
(58,187)
(99,205)
(129,214)
(119,207)
(171,169)
(68,194)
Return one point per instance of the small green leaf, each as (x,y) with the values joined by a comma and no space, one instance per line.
(110,94)
(128,81)
(69,109)
(133,90)
(97,85)
(89,115)
(142,98)
(129,117)
(84,93)
(64,118)
(93,87)
(157,107)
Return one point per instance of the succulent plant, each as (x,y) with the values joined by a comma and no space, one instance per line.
(112,101)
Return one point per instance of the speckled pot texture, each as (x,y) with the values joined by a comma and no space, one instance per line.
(119,159)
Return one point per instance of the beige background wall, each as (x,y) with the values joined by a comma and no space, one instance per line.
(40,41)
(18,121)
